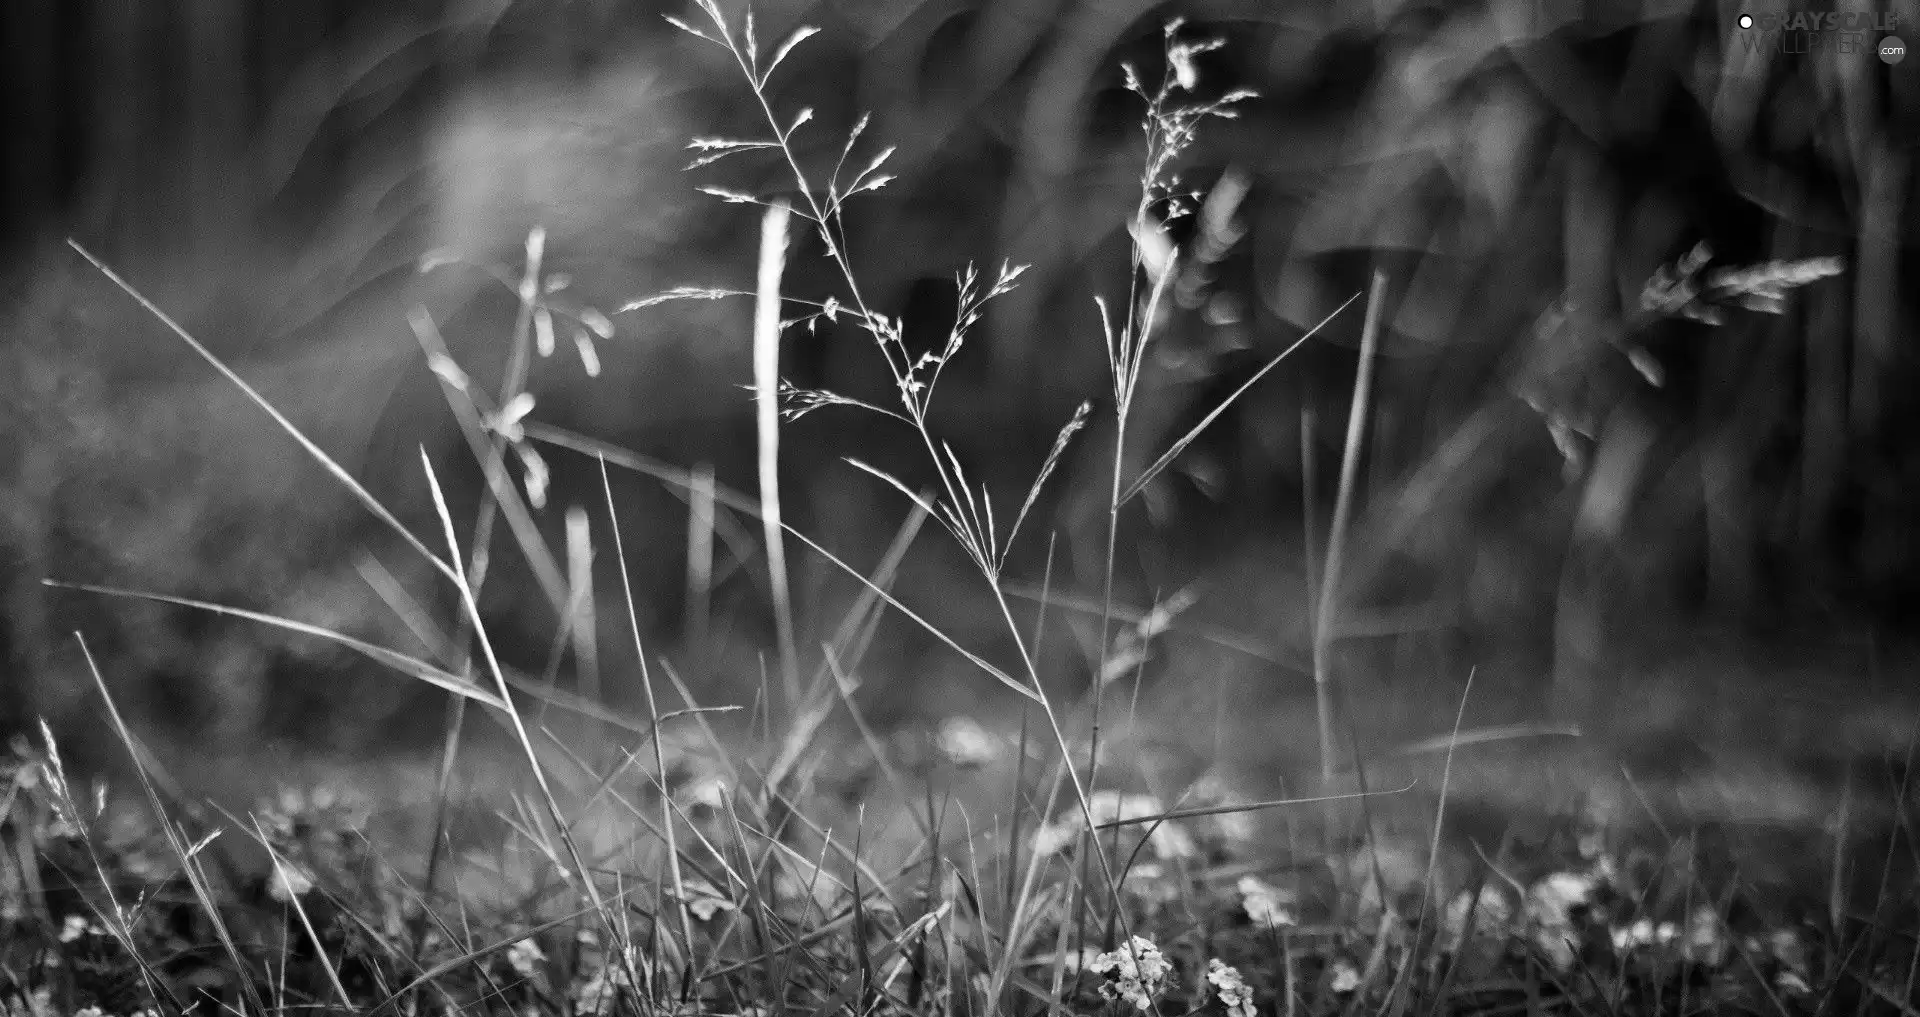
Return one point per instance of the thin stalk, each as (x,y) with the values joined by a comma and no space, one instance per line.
(653,719)
(1337,540)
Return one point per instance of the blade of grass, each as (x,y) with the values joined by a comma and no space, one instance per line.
(699,609)
(575,860)
(766,381)
(327,462)
(1337,539)
(1400,988)
(653,716)
(411,666)
(281,873)
(585,627)
(1173,451)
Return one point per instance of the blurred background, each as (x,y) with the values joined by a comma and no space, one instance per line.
(1592,502)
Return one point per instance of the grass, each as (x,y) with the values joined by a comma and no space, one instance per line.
(689,864)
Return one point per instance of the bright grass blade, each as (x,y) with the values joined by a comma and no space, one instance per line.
(586,625)
(1260,806)
(653,713)
(766,379)
(411,666)
(282,873)
(700,525)
(1147,476)
(318,454)
(919,501)
(577,866)
(1326,609)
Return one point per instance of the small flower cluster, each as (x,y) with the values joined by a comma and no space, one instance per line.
(1136,973)
(1232,989)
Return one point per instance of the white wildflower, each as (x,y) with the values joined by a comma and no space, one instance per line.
(1135,973)
(1267,905)
(1553,899)
(89,1011)
(962,742)
(1346,977)
(78,926)
(1638,935)
(1491,913)
(1788,948)
(525,957)
(1053,838)
(1550,907)
(1233,990)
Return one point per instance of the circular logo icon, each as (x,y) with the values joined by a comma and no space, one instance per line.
(1746,21)
(1892,50)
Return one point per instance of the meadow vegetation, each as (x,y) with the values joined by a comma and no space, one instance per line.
(1115,819)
